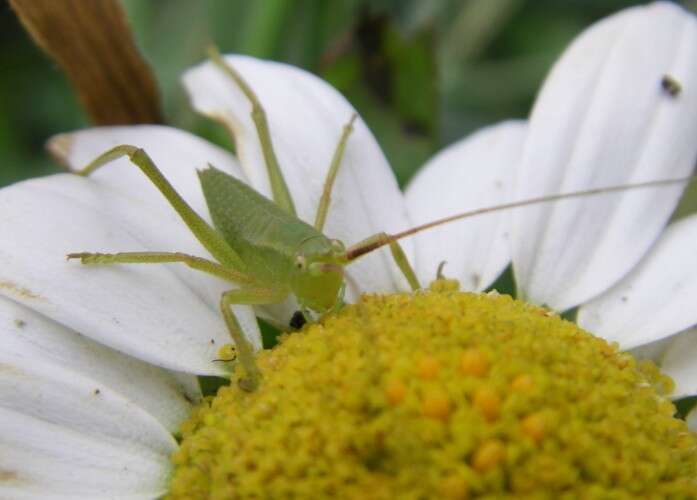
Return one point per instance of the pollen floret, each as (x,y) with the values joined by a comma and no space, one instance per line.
(440,394)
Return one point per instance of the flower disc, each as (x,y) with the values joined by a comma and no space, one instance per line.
(440,394)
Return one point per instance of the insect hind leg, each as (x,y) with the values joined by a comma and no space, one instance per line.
(204,233)
(197,263)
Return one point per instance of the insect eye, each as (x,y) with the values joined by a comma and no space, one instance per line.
(300,262)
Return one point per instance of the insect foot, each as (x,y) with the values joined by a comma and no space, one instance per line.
(227,353)
(89,258)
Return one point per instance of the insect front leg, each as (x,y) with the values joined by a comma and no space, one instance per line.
(381,239)
(245,353)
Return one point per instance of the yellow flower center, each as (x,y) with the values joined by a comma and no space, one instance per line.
(440,394)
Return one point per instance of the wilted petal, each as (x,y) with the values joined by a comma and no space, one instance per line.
(657,299)
(306,117)
(604,118)
(146,311)
(78,419)
(473,173)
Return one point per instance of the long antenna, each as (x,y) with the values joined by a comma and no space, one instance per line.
(363,248)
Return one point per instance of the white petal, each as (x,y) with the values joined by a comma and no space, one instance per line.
(603,119)
(675,355)
(78,420)
(177,154)
(71,400)
(692,419)
(30,339)
(41,460)
(306,117)
(143,310)
(473,173)
(679,361)
(657,299)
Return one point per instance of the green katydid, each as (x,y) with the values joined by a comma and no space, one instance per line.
(262,247)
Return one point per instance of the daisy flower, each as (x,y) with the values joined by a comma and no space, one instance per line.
(100,363)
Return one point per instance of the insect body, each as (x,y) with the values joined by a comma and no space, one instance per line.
(261,246)
(286,254)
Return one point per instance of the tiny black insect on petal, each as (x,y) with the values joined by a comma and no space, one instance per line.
(671,85)
(298,320)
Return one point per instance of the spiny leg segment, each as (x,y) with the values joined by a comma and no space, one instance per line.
(198,263)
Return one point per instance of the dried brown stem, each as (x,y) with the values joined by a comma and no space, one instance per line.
(92,43)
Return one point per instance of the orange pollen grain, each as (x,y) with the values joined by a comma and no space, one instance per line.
(395,392)
(534,426)
(489,454)
(487,402)
(428,368)
(685,440)
(454,488)
(436,406)
(522,383)
(474,362)
(608,350)
(623,360)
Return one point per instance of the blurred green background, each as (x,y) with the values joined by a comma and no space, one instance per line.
(421,73)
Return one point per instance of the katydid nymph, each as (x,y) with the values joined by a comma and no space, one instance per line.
(261,246)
